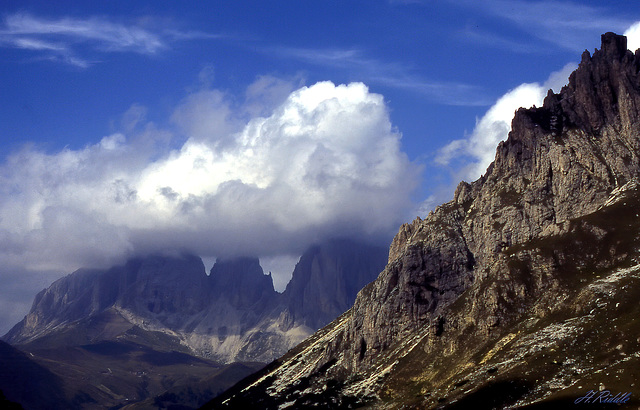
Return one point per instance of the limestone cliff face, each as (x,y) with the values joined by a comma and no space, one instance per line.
(560,162)
(489,286)
(327,279)
(156,286)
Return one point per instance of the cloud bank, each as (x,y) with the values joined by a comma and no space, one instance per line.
(325,162)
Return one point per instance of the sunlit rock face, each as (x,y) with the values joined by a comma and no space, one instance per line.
(521,290)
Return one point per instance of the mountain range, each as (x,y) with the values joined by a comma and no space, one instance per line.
(125,334)
(521,292)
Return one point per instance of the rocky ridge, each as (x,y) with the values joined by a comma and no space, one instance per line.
(520,291)
(232,314)
(159,332)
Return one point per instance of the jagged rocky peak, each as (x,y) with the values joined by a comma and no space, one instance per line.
(162,284)
(564,158)
(501,275)
(167,268)
(604,86)
(241,280)
(328,277)
(403,237)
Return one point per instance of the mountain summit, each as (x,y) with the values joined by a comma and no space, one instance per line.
(520,291)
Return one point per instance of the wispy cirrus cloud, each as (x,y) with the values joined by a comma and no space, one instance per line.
(562,23)
(445,92)
(66,39)
(334,57)
(389,74)
(484,38)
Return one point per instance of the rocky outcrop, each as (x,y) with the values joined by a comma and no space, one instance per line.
(490,285)
(327,279)
(241,283)
(560,162)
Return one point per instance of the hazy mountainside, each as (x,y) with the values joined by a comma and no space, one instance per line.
(327,279)
(161,324)
(521,291)
(157,286)
(232,314)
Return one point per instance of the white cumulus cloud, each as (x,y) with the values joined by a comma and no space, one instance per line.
(475,152)
(633,36)
(326,162)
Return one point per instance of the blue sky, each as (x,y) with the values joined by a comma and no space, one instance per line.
(256,127)
(439,64)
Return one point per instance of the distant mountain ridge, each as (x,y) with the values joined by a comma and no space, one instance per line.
(232,314)
(159,331)
(521,292)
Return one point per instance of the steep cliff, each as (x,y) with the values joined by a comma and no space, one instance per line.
(327,279)
(521,290)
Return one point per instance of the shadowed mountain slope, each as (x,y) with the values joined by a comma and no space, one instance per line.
(24,381)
